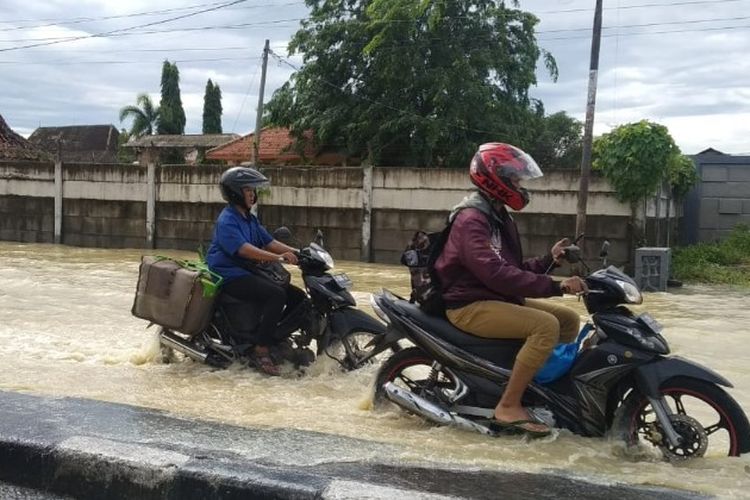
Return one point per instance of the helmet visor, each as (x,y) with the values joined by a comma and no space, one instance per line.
(521,167)
(255,184)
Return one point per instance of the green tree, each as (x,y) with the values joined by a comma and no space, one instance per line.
(171,114)
(682,175)
(638,157)
(144,114)
(557,141)
(124,155)
(212,109)
(415,82)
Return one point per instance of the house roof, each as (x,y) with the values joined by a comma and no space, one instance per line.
(78,142)
(15,147)
(711,151)
(181,141)
(276,146)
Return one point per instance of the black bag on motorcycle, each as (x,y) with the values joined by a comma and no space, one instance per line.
(171,295)
(420,257)
(272,271)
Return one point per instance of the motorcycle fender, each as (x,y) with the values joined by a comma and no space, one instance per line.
(650,376)
(347,320)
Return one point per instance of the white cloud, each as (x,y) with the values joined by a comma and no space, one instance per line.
(692,81)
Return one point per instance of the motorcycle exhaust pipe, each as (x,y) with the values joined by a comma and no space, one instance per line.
(430,411)
(177,343)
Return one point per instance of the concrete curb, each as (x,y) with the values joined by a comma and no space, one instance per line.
(89,449)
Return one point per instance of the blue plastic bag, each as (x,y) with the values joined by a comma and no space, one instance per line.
(561,359)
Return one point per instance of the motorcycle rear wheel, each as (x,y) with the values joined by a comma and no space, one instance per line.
(709,420)
(411,369)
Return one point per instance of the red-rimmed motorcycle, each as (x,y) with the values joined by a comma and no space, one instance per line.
(622,382)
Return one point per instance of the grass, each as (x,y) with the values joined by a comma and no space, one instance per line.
(725,262)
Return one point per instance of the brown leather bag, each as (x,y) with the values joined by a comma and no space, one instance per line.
(171,295)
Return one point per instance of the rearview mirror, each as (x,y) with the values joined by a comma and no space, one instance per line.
(319,238)
(605,249)
(283,234)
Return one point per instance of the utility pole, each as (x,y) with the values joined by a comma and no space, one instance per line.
(258,118)
(588,132)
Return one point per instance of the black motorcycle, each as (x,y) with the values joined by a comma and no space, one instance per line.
(622,382)
(327,315)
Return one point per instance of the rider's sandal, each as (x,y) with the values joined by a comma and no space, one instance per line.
(520,427)
(264,363)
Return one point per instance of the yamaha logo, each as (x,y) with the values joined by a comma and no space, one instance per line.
(612,359)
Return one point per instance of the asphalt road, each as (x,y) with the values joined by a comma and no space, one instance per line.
(91,449)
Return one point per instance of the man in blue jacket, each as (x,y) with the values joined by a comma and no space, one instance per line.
(239,238)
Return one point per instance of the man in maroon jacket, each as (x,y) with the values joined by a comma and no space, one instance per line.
(489,289)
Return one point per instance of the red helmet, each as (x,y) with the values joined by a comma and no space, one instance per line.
(495,165)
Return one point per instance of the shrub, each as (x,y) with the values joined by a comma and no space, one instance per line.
(727,261)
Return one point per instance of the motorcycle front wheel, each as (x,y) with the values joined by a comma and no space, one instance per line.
(354,350)
(709,420)
(412,369)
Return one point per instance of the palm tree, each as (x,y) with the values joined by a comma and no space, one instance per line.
(144,114)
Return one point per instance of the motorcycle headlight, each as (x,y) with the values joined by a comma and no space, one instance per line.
(325,257)
(632,294)
(378,310)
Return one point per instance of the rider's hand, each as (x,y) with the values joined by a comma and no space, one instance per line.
(558,249)
(574,284)
(289,257)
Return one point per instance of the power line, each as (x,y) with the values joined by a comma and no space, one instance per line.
(75,63)
(121,30)
(82,20)
(641,6)
(272,22)
(247,92)
(79,20)
(647,25)
(663,32)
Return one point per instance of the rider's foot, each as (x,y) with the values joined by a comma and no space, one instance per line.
(261,360)
(518,418)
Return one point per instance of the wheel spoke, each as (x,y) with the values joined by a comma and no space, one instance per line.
(678,404)
(713,428)
(409,382)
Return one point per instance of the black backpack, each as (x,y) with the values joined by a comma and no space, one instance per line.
(420,256)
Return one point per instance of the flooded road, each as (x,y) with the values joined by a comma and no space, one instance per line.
(66,330)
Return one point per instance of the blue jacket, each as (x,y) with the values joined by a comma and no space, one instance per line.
(231,231)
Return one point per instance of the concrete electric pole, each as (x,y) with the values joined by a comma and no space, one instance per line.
(259,117)
(588,132)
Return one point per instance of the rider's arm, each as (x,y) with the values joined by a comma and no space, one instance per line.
(251,252)
(539,265)
(471,234)
(278,247)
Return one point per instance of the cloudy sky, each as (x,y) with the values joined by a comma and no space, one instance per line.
(682,63)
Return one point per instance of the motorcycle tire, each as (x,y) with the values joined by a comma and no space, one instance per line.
(355,354)
(635,420)
(395,366)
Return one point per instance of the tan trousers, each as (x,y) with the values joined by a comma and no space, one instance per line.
(542,323)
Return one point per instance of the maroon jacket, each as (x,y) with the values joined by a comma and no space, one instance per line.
(483,261)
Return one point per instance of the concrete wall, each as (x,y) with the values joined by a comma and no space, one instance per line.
(366,213)
(720,201)
(27,210)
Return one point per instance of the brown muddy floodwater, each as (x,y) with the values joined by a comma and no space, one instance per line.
(66,330)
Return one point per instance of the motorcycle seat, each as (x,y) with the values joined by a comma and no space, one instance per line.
(443,329)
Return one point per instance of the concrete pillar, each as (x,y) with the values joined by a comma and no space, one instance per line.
(638,227)
(150,198)
(58,200)
(657,216)
(366,254)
